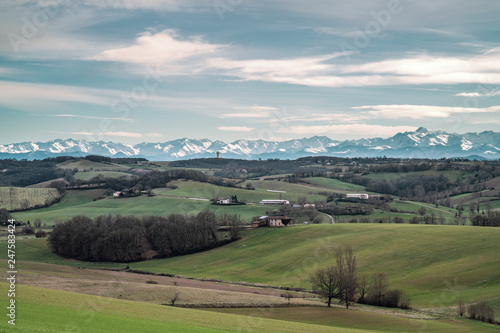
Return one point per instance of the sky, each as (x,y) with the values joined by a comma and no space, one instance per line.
(158,70)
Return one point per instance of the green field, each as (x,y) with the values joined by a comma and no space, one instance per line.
(361,320)
(80,202)
(207,191)
(423,260)
(438,266)
(90,174)
(16,198)
(427,261)
(335,184)
(40,310)
(168,201)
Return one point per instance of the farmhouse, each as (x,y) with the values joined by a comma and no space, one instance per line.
(272,221)
(129,192)
(274,202)
(232,200)
(226,201)
(357,196)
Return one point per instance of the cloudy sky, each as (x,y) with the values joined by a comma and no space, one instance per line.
(158,70)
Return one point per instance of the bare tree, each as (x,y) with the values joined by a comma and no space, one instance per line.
(174,298)
(379,287)
(362,288)
(324,281)
(461,309)
(338,281)
(347,275)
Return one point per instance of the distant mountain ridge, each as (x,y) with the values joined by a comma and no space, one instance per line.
(421,143)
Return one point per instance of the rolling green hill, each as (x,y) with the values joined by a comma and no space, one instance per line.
(436,265)
(336,184)
(80,202)
(44,310)
(167,201)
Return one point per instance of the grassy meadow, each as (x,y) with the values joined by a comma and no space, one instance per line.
(167,201)
(362,320)
(426,261)
(437,265)
(41,310)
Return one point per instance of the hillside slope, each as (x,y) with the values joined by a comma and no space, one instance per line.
(427,261)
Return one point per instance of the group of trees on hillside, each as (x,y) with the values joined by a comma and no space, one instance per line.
(341,281)
(131,238)
(492,219)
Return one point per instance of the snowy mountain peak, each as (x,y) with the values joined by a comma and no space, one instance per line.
(420,143)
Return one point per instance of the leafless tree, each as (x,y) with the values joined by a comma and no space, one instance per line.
(363,284)
(461,308)
(324,281)
(347,275)
(174,298)
(338,281)
(379,287)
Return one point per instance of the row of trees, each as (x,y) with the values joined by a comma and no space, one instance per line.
(341,281)
(490,220)
(131,238)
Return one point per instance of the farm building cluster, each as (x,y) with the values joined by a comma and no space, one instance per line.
(272,221)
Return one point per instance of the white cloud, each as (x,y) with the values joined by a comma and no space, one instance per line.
(236,128)
(366,130)
(420,111)
(90,117)
(29,95)
(165,48)
(319,71)
(274,69)
(483,93)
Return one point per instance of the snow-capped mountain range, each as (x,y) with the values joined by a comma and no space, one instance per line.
(421,143)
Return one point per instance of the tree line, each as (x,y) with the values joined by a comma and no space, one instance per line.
(131,238)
